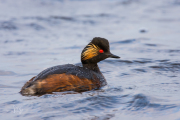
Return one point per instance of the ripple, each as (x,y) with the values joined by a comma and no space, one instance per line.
(140,70)
(165,60)
(7,86)
(173,51)
(143,61)
(118,61)
(18,53)
(63,18)
(124,41)
(7,25)
(12,102)
(167,66)
(13,41)
(99,15)
(6,73)
(117,89)
(73,47)
(143,31)
(140,102)
(35,26)
(101,117)
(140,61)
(50,18)
(101,102)
(152,45)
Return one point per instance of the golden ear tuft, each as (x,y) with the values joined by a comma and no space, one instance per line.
(90,52)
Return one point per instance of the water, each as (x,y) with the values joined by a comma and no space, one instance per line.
(143,84)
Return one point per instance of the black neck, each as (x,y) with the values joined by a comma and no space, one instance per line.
(93,67)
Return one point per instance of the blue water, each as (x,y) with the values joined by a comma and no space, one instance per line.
(143,85)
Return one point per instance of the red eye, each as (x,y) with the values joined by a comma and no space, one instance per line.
(101,51)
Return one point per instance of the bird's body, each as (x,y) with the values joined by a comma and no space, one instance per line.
(70,77)
(64,78)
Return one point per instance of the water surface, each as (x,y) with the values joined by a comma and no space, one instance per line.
(144,84)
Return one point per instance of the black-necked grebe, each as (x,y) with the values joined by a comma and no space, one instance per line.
(70,77)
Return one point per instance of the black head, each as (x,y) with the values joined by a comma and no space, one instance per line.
(96,50)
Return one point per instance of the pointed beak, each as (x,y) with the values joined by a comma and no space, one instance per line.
(110,55)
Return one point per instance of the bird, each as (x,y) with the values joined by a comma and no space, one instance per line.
(71,77)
